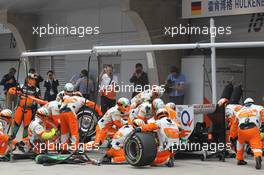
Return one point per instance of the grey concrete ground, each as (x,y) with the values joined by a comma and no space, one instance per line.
(182,167)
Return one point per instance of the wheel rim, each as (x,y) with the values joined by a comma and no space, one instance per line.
(87,122)
(133,150)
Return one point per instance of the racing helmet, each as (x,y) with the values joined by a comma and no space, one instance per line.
(68,89)
(222,101)
(157,104)
(123,105)
(6,114)
(249,102)
(145,110)
(171,105)
(162,112)
(43,112)
(156,92)
(31,79)
(138,123)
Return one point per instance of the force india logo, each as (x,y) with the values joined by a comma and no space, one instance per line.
(256,22)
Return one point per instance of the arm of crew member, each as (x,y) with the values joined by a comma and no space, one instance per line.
(149,127)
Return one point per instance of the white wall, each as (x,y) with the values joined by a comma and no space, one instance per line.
(240,28)
(7,59)
(116,29)
(241,70)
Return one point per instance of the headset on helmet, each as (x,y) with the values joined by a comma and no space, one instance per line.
(249,101)
(43,111)
(162,112)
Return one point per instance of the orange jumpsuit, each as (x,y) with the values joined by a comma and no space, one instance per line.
(230,114)
(168,134)
(24,110)
(68,119)
(109,124)
(4,147)
(246,127)
(116,151)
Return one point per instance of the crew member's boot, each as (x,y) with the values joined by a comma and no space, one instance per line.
(241,162)
(258,162)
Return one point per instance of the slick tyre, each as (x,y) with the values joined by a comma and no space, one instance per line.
(140,149)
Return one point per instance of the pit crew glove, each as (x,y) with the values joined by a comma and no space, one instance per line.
(49,135)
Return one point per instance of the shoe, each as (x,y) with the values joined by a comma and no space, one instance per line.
(258,162)
(106,160)
(170,163)
(241,162)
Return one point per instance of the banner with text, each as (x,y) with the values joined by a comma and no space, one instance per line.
(210,8)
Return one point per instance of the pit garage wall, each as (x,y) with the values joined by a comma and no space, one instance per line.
(242,70)
(243,66)
(9,56)
(116,28)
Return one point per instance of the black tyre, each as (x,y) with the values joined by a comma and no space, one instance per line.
(140,149)
(88,119)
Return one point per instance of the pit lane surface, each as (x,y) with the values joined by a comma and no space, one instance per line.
(182,167)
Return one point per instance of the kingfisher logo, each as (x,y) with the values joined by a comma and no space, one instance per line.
(196,8)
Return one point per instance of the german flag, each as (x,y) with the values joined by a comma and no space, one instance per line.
(196,8)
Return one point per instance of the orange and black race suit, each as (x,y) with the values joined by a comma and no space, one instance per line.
(25,109)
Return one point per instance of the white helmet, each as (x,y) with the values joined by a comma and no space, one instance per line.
(145,110)
(222,101)
(68,87)
(157,104)
(171,105)
(249,101)
(162,112)
(7,113)
(138,122)
(157,91)
(43,111)
(123,104)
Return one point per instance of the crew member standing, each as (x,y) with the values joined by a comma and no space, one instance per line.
(140,79)
(107,88)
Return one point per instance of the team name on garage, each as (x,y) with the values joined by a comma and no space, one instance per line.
(248,3)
